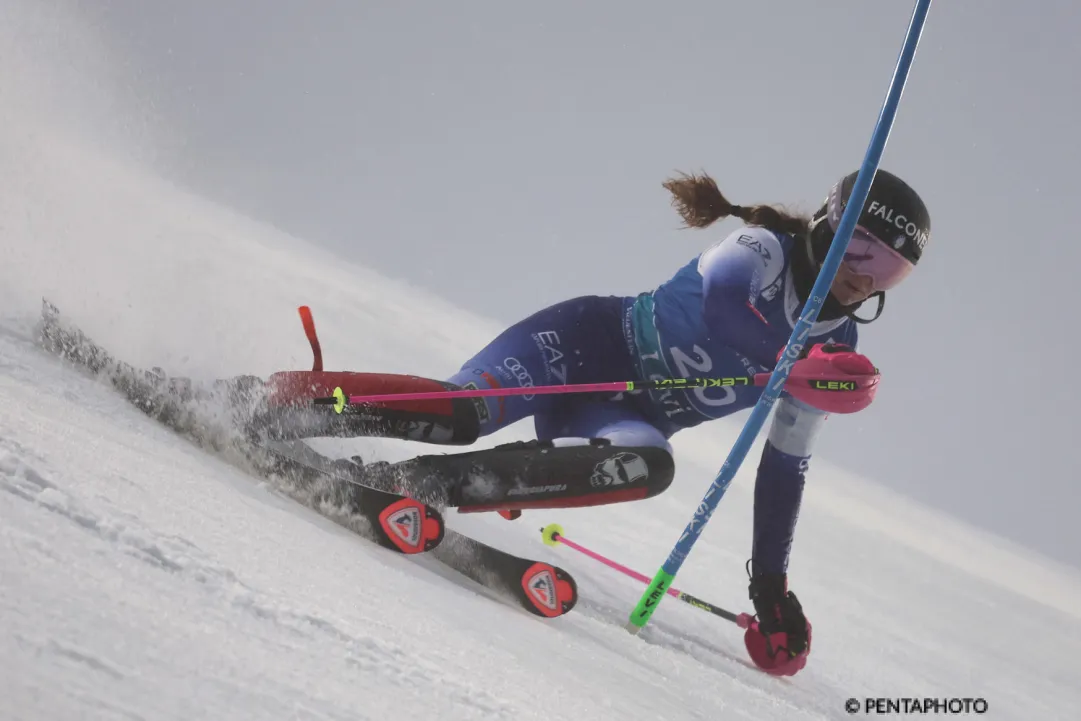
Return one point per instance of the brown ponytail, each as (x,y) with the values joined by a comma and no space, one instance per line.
(700,203)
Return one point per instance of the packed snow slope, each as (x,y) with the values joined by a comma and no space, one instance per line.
(141,578)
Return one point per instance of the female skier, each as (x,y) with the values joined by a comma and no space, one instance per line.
(728,312)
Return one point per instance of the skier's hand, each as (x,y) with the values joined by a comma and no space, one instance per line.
(833,378)
(779,640)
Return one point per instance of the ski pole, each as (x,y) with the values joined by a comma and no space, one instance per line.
(339,400)
(552,534)
(843,383)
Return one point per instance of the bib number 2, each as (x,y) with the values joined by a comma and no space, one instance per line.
(700,364)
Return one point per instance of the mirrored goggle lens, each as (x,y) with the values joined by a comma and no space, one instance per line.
(867,255)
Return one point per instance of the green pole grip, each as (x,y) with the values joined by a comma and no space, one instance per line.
(647,604)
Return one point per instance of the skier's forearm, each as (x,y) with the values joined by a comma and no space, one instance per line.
(779,485)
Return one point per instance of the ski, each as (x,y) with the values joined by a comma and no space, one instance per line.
(538,587)
(398,522)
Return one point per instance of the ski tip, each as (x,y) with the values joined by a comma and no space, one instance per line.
(410,526)
(549,533)
(550,590)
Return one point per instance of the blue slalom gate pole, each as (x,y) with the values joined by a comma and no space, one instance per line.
(658,587)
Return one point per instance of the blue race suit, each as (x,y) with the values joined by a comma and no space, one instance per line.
(728,312)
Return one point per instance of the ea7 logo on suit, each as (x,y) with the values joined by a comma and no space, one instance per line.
(755,245)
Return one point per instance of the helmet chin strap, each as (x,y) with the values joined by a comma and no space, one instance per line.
(881,304)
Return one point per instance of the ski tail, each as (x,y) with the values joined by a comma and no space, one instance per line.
(397,522)
(538,587)
(412,526)
(548,590)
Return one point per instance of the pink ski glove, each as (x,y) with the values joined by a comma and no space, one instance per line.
(779,641)
(833,378)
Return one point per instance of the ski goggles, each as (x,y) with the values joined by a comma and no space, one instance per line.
(869,256)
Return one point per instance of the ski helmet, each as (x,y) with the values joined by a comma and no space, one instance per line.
(890,235)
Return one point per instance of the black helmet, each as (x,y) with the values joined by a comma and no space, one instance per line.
(894,214)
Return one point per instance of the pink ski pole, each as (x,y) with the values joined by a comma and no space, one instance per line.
(801,384)
(339,400)
(837,383)
(552,534)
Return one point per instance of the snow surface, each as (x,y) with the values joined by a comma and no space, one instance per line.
(141,578)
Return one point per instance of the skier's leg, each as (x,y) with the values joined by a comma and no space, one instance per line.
(574,463)
(564,473)
(629,438)
(576,341)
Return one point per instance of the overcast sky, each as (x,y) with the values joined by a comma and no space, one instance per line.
(508,155)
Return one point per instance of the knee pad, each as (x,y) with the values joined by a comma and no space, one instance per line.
(637,436)
(624,461)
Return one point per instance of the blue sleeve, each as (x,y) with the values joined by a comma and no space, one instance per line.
(778,489)
(734,272)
